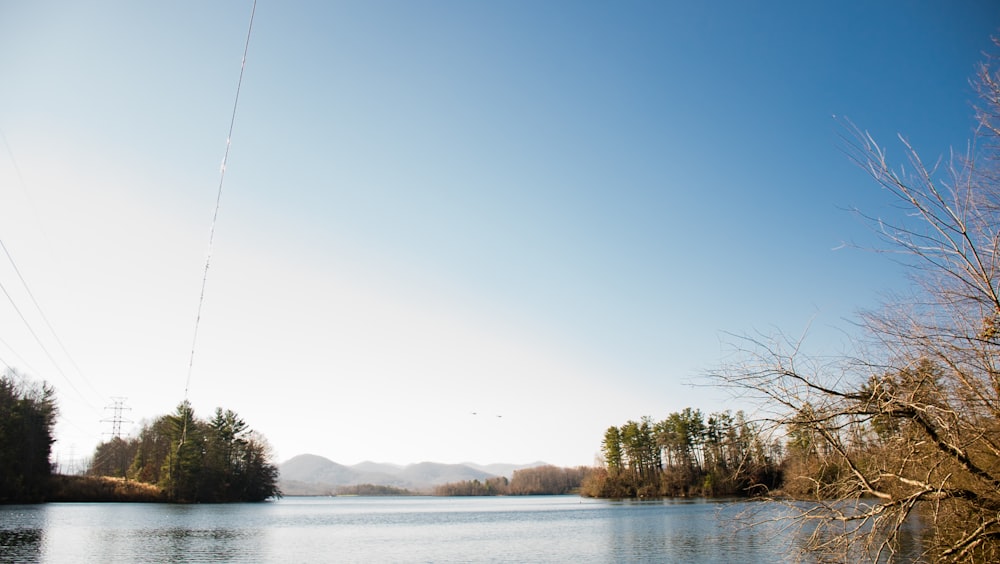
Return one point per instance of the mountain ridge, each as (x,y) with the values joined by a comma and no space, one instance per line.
(312,474)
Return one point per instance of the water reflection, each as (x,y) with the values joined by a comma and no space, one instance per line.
(783,521)
(177,543)
(215,545)
(21,545)
(688,531)
(545,529)
(22,533)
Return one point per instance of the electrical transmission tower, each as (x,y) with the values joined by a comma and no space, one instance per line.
(117,407)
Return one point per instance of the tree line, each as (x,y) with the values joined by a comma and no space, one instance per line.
(27,419)
(685,454)
(540,480)
(372,490)
(194,460)
(189,459)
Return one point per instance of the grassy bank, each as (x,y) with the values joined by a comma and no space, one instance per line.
(101,488)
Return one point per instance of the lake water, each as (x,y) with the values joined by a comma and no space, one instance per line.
(390,529)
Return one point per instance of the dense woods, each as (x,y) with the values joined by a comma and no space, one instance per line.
(27,418)
(372,490)
(194,460)
(685,455)
(177,457)
(540,480)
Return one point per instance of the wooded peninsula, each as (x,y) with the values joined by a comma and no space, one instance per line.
(176,458)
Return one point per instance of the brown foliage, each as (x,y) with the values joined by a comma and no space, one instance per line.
(908,427)
(101,488)
(539,480)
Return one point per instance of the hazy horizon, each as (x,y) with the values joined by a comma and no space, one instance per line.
(450,231)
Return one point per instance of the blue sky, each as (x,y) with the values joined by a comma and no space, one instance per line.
(550,211)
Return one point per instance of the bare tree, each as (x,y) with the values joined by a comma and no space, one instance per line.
(909,427)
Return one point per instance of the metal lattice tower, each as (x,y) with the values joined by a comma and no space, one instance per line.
(117,408)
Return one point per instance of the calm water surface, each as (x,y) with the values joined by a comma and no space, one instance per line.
(389,529)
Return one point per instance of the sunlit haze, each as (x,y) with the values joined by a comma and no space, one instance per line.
(449,231)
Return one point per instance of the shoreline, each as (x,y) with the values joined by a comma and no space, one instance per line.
(81,489)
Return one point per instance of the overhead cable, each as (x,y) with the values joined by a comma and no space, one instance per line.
(215,215)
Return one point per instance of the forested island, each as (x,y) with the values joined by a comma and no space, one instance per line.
(194,460)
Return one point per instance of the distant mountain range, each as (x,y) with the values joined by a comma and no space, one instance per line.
(309,474)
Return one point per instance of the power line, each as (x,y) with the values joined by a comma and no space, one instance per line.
(43,347)
(215,215)
(45,319)
(24,363)
(20,177)
(34,301)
